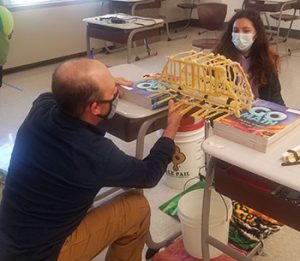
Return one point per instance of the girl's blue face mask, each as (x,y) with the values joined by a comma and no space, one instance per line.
(242,41)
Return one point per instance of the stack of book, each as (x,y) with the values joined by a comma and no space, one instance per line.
(261,127)
(148,93)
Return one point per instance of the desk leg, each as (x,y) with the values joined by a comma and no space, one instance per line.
(142,133)
(206,209)
(130,41)
(206,239)
(173,37)
(129,46)
(153,246)
(88,44)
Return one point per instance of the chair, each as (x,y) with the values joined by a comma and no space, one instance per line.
(250,4)
(189,7)
(276,8)
(287,17)
(211,18)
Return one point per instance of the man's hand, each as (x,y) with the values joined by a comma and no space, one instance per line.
(123,81)
(174,119)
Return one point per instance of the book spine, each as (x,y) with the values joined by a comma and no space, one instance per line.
(159,105)
(158,98)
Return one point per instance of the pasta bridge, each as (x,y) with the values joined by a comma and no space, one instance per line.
(209,85)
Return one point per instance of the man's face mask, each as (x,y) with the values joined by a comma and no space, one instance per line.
(113,106)
(242,41)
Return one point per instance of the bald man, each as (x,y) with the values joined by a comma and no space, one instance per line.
(61,160)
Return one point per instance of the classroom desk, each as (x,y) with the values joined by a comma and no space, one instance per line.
(132,121)
(266,166)
(135,28)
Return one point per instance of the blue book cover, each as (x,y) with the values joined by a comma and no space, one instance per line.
(146,93)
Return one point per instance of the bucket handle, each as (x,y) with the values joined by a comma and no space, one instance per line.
(227,210)
(199,177)
(187,182)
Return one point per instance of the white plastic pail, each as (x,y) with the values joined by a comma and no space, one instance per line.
(190,215)
(188,157)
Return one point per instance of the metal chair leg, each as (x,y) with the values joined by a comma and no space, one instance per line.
(173,37)
(169,35)
(1,75)
(154,247)
(187,24)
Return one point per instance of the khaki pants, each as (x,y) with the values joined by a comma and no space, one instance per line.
(122,224)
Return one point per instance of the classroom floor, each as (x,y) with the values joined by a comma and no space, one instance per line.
(22,88)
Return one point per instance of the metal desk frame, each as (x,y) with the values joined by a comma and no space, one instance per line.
(99,28)
(265,165)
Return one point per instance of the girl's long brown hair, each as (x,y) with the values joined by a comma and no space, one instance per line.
(264,61)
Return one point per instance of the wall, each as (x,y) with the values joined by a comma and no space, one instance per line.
(50,32)
(46,33)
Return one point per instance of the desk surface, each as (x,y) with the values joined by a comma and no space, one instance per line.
(267,165)
(128,1)
(132,22)
(125,108)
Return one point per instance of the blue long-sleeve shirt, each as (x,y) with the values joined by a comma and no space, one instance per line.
(58,165)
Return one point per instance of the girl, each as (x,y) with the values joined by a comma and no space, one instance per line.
(245,41)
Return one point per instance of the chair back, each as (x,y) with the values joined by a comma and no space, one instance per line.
(262,6)
(297,5)
(211,15)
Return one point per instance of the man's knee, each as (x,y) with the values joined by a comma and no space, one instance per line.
(138,201)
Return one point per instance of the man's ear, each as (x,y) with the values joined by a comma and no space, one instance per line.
(95,108)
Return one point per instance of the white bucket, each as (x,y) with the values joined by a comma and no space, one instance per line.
(190,215)
(188,157)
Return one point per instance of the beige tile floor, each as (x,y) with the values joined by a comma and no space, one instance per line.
(15,101)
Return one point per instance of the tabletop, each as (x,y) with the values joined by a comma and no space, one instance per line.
(125,108)
(267,165)
(131,22)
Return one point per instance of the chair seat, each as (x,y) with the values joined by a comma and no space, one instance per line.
(208,43)
(285,17)
(187,6)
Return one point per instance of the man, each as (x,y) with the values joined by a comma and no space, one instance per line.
(60,161)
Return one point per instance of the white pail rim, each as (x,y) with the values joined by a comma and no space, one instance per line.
(190,208)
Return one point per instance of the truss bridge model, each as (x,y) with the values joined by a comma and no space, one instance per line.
(208,85)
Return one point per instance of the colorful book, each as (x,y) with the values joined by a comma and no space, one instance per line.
(260,127)
(148,93)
